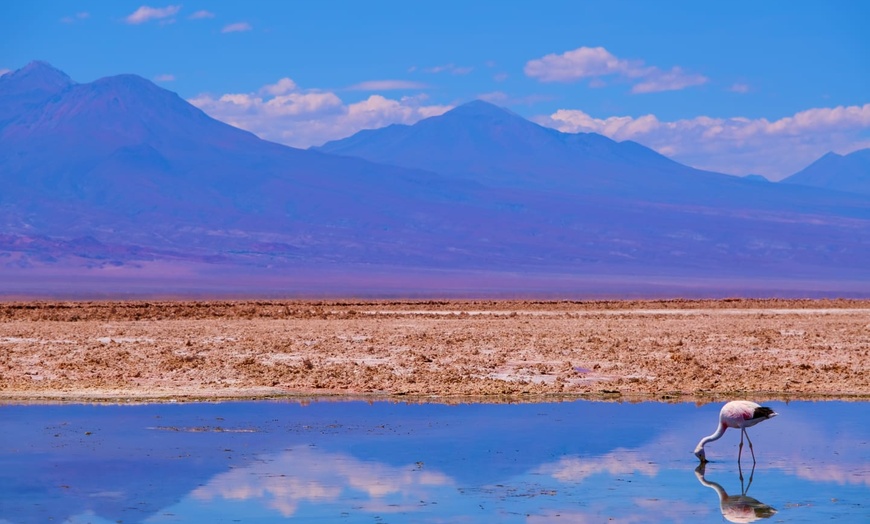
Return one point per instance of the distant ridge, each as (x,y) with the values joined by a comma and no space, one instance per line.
(122,159)
(28,87)
(849,173)
(119,184)
(487,143)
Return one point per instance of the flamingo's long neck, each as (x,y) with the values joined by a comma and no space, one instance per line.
(715,436)
(715,486)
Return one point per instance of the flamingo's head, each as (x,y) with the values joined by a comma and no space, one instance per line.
(699,452)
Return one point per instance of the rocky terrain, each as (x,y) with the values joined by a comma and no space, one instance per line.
(499,349)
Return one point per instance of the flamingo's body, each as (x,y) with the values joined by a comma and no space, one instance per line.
(737,414)
(737,508)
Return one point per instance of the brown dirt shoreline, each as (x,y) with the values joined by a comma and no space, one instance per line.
(449,350)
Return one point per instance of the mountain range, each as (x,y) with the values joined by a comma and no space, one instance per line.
(119,186)
(484,143)
(850,173)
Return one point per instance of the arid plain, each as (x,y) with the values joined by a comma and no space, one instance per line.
(671,349)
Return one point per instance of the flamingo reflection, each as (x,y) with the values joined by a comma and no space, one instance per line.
(737,508)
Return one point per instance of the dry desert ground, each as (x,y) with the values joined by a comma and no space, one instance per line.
(670,349)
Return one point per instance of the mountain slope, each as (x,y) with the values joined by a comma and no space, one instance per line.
(494,146)
(123,155)
(487,143)
(28,87)
(850,173)
(119,175)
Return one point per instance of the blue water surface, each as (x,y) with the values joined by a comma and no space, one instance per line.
(381,462)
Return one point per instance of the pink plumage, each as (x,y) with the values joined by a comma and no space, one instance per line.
(737,414)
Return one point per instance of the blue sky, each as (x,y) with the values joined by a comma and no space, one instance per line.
(738,87)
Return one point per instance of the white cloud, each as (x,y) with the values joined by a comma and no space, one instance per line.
(449,68)
(201,14)
(4,71)
(284,113)
(237,27)
(146,13)
(377,111)
(438,69)
(739,88)
(596,62)
(282,86)
(734,145)
(164,78)
(295,104)
(387,85)
(75,18)
(573,65)
(673,80)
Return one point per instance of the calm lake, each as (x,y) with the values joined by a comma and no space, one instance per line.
(380,462)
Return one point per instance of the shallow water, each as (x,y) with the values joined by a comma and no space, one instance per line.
(384,462)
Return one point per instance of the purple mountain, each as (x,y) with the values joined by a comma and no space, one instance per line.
(121,177)
(490,145)
(849,173)
(121,158)
(28,87)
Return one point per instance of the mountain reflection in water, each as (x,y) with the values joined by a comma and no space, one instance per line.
(359,462)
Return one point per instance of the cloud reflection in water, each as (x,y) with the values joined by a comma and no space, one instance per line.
(419,463)
(617,462)
(306,474)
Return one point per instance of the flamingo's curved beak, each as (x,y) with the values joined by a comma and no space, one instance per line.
(701,456)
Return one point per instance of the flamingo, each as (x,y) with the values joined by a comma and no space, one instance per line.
(737,508)
(737,414)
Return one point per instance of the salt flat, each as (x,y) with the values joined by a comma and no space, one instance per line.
(255,349)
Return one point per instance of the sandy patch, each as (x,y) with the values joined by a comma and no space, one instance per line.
(240,349)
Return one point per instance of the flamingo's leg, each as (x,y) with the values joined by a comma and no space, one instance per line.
(750,446)
(740,448)
(751,474)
